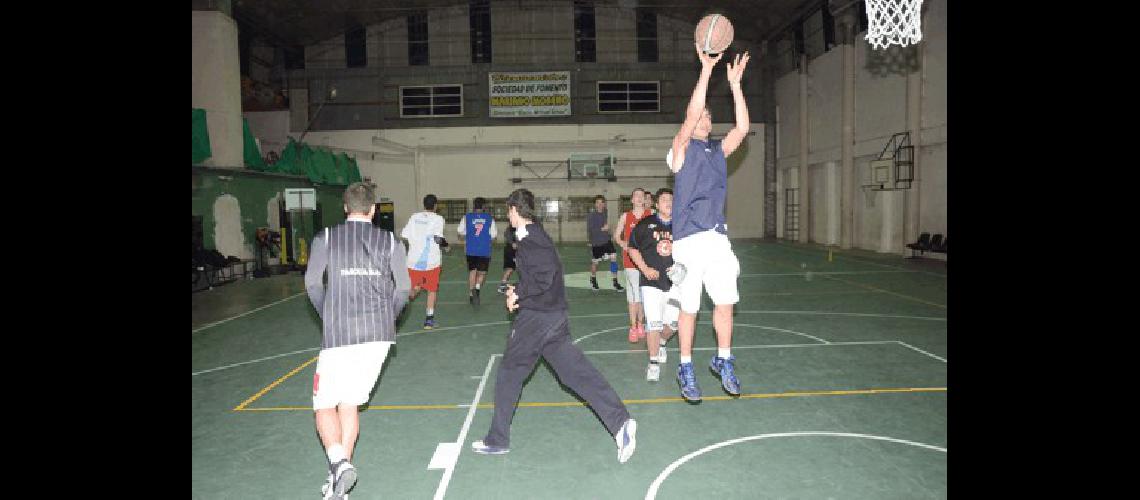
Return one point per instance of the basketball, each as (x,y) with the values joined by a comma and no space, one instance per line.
(714,34)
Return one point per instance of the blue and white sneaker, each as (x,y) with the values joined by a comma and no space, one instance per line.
(484,449)
(429,322)
(626,439)
(688,381)
(725,369)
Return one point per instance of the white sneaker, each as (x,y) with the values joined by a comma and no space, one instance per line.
(626,439)
(326,489)
(345,480)
(653,373)
(661,356)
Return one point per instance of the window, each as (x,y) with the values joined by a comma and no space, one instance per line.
(626,203)
(547,209)
(498,208)
(418,39)
(431,100)
(452,210)
(646,35)
(578,207)
(355,48)
(629,97)
(585,35)
(480,11)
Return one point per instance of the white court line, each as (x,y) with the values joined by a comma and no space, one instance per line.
(824,273)
(767,346)
(652,492)
(254,361)
(856,259)
(922,351)
(584,337)
(216,323)
(460,441)
(406,334)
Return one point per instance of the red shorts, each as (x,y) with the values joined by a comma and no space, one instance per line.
(428,280)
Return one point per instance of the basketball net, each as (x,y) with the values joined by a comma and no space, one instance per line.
(894,22)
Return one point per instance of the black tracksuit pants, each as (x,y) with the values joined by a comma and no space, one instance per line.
(547,334)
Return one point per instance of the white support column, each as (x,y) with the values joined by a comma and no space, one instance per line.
(890,220)
(805,179)
(216,85)
(914,125)
(831,192)
(847,140)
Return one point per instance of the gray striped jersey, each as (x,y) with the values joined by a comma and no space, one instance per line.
(367,283)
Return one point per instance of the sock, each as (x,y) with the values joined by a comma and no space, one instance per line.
(430,312)
(336,453)
(723,352)
(477,285)
(663,341)
(686,359)
(613,268)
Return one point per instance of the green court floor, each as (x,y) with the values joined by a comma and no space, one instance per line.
(842,362)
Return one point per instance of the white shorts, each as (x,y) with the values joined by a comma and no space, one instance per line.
(709,262)
(346,374)
(660,309)
(632,290)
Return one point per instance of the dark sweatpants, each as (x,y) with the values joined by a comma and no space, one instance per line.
(547,334)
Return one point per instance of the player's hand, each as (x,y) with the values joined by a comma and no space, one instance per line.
(735,70)
(512,299)
(707,61)
(652,274)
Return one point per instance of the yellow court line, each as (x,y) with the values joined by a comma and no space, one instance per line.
(630,401)
(274,384)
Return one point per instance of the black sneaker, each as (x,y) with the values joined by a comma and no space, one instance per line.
(617,286)
(502,288)
(594,283)
(475,297)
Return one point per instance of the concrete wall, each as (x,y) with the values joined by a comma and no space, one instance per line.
(216,84)
(880,111)
(465,162)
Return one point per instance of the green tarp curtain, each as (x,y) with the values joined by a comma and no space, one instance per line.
(251,154)
(201,143)
(318,164)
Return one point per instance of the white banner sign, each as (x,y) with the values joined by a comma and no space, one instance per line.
(530,94)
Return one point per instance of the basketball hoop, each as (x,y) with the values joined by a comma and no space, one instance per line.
(893,22)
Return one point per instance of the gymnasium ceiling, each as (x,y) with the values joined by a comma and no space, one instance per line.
(304,22)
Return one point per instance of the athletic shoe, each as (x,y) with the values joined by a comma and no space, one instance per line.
(502,288)
(726,371)
(326,489)
(688,382)
(653,373)
(429,323)
(633,334)
(345,479)
(626,439)
(483,449)
(475,297)
(594,283)
(617,286)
